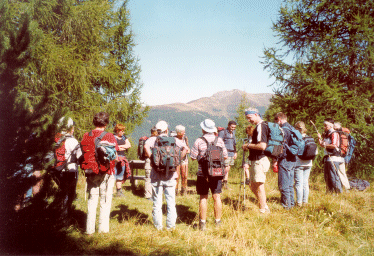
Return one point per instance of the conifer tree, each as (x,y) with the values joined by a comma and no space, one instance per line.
(324,67)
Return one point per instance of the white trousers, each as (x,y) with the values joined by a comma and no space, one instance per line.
(99,185)
(343,176)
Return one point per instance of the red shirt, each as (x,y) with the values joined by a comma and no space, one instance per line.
(88,150)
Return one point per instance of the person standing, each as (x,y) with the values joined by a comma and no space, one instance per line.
(260,164)
(120,167)
(342,165)
(163,182)
(286,164)
(182,169)
(206,183)
(100,178)
(247,163)
(302,170)
(330,141)
(148,168)
(228,137)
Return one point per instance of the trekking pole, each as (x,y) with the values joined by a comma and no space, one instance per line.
(315,127)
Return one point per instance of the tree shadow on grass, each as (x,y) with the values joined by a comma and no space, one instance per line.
(124,214)
(236,204)
(185,215)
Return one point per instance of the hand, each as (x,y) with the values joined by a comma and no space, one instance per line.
(235,155)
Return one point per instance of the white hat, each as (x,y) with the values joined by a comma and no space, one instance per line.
(208,125)
(68,124)
(162,125)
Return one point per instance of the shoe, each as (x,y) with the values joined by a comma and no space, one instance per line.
(246,181)
(218,223)
(120,193)
(202,225)
(265,210)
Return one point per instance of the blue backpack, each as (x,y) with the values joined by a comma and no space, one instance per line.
(351,148)
(298,144)
(274,147)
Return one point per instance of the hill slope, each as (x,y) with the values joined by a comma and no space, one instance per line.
(221,107)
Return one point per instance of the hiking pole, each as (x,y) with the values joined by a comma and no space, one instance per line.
(315,127)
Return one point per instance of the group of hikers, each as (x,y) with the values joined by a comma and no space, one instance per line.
(101,155)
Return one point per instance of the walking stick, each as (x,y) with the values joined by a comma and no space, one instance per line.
(242,182)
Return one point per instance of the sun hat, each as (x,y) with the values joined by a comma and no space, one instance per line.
(208,125)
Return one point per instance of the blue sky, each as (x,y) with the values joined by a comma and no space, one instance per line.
(192,49)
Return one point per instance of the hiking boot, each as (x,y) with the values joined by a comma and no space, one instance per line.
(265,210)
(246,181)
(120,193)
(202,225)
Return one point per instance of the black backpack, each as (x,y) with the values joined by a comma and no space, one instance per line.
(310,149)
(141,144)
(166,155)
(212,162)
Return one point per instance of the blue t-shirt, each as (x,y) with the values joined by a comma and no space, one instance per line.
(229,140)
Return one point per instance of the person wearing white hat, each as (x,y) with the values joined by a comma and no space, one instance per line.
(163,182)
(203,183)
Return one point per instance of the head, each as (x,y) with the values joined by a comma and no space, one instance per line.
(208,126)
(253,115)
(66,126)
(280,118)
(231,126)
(300,126)
(162,127)
(249,130)
(180,130)
(119,129)
(154,131)
(337,126)
(101,120)
(328,124)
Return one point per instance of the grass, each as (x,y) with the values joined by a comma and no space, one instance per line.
(329,225)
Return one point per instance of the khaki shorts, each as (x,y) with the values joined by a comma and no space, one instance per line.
(258,170)
(229,161)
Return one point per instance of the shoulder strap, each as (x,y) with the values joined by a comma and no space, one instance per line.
(98,139)
(205,140)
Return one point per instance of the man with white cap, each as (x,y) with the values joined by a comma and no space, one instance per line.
(163,182)
(204,183)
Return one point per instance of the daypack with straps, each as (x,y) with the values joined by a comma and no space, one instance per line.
(351,148)
(343,141)
(212,162)
(166,155)
(141,152)
(59,153)
(274,146)
(297,143)
(104,150)
(310,149)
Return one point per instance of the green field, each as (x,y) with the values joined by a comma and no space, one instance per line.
(328,225)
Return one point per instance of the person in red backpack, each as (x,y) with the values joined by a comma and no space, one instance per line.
(331,142)
(342,167)
(100,178)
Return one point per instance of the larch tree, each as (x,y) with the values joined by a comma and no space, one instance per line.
(324,67)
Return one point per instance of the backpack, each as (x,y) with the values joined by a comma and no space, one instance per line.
(166,155)
(343,141)
(59,153)
(104,151)
(351,148)
(219,129)
(274,147)
(141,152)
(298,144)
(212,162)
(310,149)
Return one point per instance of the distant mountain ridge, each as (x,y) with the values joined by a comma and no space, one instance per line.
(220,107)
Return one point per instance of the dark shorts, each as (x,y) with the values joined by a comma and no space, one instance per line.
(213,183)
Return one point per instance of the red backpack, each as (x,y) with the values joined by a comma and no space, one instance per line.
(141,152)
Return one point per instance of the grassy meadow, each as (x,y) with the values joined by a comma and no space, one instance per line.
(328,225)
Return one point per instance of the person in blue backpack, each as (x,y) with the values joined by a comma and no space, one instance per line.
(286,163)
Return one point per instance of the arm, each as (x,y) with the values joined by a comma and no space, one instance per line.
(258,146)
(127,145)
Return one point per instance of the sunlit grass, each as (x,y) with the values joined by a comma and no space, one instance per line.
(328,225)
